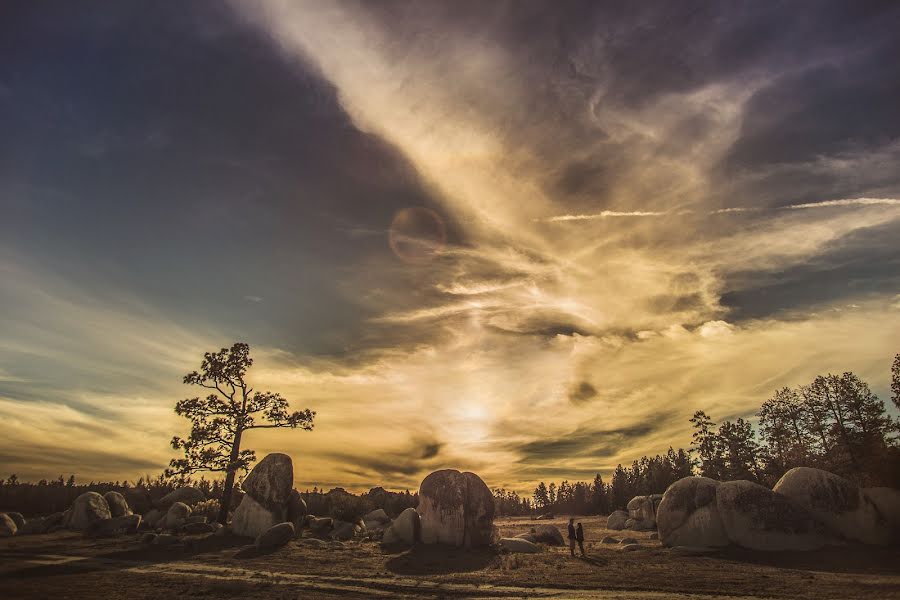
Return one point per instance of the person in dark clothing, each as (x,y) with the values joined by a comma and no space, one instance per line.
(579,536)
(572,537)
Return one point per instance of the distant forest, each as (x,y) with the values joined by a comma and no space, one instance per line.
(834,423)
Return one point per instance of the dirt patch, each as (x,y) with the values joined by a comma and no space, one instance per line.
(68,565)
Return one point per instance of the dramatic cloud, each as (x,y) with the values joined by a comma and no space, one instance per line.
(631,213)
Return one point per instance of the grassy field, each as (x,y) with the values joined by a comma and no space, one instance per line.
(68,565)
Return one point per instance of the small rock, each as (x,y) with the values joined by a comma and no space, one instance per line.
(343,531)
(313,543)
(628,540)
(176,516)
(548,534)
(609,540)
(276,536)
(631,547)
(197,528)
(519,545)
(320,525)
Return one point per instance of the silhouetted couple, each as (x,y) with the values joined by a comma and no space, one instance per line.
(576,534)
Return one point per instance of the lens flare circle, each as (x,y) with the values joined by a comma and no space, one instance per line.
(417,234)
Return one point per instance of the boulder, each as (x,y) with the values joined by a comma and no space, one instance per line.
(528,536)
(406,529)
(275,536)
(296,510)
(7,526)
(609,540)
(115,525)
(378,515)
(87,508)
(252,519)
(193,519)
(118,506)
(757,518)
(642,512)
(196,528)
(616,520)
(688,515)
(271,482)
(519,545)
(836,502)
(175,516)
(17,518)
(548,534)
(185,495)
(42,524)
(631,547)
(628,540)
(138,500)
(887,501)
(320,525)
(456,509)
(343,531)
(152,519)
(314,543)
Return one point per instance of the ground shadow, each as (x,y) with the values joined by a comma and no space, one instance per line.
(428,559)
(133,553)
(858,559)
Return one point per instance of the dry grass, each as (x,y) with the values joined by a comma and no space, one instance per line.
(43,567)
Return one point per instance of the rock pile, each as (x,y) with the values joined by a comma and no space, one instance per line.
(268,496)
(807,509)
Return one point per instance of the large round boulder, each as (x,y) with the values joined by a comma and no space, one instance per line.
(118,506)
(277,535)
(642,512)
(185,495)
(251,519)
(757,518)
(121,524)
(296,510)
(271,482)
(377,516)
(7,526)
(456,509)
(887,501)
(17,518)
(87,508)
(687,515)
(548,534)
(175,516)
(616,520)
(837,502)
(406,529)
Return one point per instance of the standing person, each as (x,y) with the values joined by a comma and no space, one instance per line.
(579,535)
(572,537)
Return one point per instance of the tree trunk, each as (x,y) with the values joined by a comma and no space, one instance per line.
(229,479)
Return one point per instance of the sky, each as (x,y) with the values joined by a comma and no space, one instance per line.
(527,239)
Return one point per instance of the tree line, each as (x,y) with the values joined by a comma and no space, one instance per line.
(835,423)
